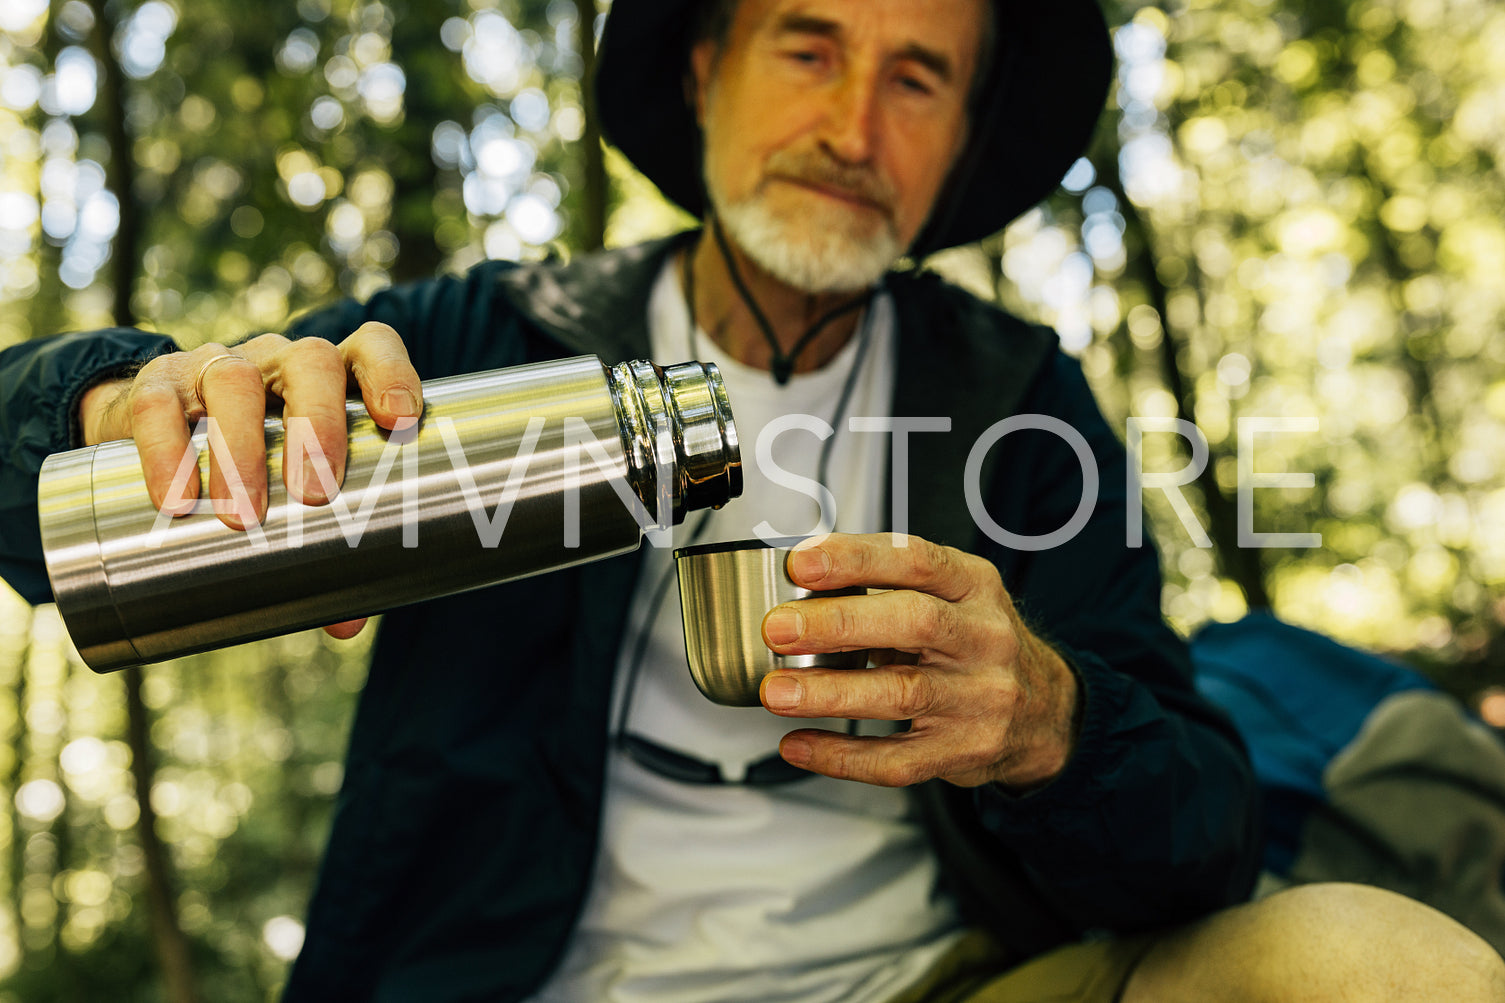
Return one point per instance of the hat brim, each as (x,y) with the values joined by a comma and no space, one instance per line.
(1035,118)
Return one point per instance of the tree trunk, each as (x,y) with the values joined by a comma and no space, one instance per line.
(120,170)
(1241,564)
(63,859)
(19,743)
(415,176)
(172,945)
(593,156)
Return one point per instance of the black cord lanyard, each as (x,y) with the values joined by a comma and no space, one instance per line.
(781,364)
(657,758)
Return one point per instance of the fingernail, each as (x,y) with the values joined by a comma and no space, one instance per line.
(782,692)
(177,503)
(795,750)
(312,488)
(809,565)
(400,402)
(298,474)
(783,625)
(246,511)
(241,510)
(302,475)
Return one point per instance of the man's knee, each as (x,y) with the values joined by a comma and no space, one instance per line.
(1380,945)
(1324,942)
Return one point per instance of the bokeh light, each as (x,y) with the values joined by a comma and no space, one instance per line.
(1304,218)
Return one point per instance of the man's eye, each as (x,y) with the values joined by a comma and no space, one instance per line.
(808,58)
(915,85)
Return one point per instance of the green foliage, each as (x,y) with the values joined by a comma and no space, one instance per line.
(1303,200)
(1294,210)
(249,743)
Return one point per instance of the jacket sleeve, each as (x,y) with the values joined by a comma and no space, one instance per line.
(1155,818)
(41,382)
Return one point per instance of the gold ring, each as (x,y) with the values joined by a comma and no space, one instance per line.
(198,383)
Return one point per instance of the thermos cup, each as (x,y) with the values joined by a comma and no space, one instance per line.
(507,474)
(725,591)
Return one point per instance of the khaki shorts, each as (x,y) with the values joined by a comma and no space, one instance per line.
(974,971)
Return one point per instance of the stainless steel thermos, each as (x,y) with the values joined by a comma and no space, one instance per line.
(507,474)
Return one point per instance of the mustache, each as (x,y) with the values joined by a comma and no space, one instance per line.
(862,182)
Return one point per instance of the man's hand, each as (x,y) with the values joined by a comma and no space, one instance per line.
(988,701)
(311,376)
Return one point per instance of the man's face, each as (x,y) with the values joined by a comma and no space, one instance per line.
(830,126)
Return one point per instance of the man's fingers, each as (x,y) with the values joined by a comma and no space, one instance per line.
(312,386)
(890,761)
(886,693)
(168,462)
(842,560)
(904,620)
(378,361)
(233,394)
(231,387)
(103,412)
(892,656)
(902,760)
(346,630)
(228,387)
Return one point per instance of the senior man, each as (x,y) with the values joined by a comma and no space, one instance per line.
(1034,803)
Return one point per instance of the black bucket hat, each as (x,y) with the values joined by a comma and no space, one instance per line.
(1033,119)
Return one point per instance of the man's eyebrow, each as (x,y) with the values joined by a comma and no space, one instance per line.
(933,61)
(808,24)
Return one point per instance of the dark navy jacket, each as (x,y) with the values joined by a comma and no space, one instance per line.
(465,832)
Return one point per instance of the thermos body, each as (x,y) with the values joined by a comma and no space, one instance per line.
(507,474)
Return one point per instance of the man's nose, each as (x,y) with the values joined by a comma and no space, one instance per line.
(851,119)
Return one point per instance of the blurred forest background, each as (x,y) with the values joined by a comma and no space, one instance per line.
(1293,210)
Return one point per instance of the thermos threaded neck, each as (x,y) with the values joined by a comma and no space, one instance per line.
(677,431)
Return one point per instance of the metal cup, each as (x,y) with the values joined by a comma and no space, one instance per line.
(725,591)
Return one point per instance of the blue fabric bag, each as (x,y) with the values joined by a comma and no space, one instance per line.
(1299,699)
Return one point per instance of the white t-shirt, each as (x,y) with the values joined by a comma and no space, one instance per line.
(808,892)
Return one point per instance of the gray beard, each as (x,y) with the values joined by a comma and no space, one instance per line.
(805,255)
